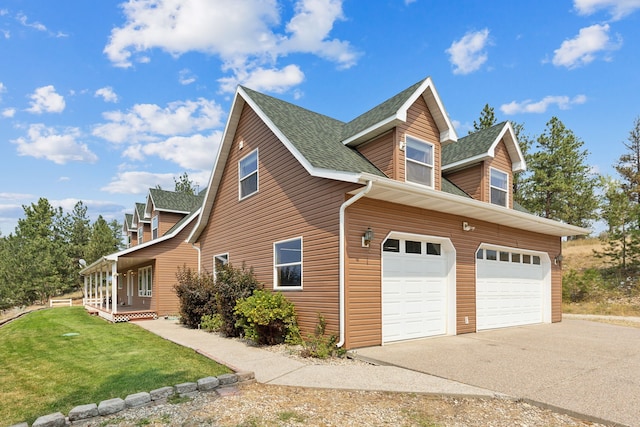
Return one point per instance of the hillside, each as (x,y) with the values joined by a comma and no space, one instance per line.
(578,255)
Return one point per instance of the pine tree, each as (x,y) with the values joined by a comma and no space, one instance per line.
(561,185)
(486,120)
(525,142)
(102,241)
(185,185)
(629,164)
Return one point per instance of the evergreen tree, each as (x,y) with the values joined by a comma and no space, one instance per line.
(486,120)
(560,185)
(102,241)
(525,142)
(185,185)
(628,165)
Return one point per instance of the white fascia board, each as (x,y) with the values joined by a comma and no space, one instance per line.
(148,206)
(382,125)
(466,162)
(218,165)
(455,204)
(449,133)
(171,211)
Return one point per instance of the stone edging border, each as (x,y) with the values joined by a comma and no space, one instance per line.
(115,405)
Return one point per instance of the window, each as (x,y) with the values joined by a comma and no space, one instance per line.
(434,249)
(248,175)
(419,162)
(154,227)
(218,262)
(492,255)
(526,259)
(145,282)
(391,245)
(140,234)
(515,258)
(287,263)
(499,185)
(504,256)
(412,247)
(536,260)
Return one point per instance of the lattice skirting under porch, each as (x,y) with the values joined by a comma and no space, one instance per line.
(125,317)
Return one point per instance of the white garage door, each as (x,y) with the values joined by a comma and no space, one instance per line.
(414,289)
(512,288)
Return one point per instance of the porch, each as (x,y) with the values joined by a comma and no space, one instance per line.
(121,314)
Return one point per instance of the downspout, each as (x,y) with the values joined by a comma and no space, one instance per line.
(197,248)
(343,208)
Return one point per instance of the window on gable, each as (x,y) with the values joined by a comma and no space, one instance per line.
(419,162)
(248,174)
(287,263)
(499,186)
(140,234)
(145,282)
(154,227)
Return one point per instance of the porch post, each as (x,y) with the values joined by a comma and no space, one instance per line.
(84,299)
(101,286)
(106,289)
(114,287)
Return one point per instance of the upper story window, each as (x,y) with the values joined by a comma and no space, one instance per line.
(287,263)
(499,187)
(419,162)
(248,175)
(154,227)
(140,234)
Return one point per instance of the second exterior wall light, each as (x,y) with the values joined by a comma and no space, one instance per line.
(367,237)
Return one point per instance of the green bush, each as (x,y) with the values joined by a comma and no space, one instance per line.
(196,293)
(268,318)
(581,286)
(211,323)
(232,284)
(319,344)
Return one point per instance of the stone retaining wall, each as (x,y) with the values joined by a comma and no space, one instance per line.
(115,405)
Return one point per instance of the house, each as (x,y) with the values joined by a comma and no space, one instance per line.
(389,225)
(137,282)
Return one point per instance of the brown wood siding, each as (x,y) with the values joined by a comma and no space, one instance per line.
(502,162)
(166,220)
(420,124)
(165,257)
(289,204)
(469,180)
(364,280)
(380,152)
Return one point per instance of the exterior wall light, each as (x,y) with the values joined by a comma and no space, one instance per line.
(467,227)
(367,237)
(558,259)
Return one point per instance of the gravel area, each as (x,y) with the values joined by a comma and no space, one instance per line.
(267,405)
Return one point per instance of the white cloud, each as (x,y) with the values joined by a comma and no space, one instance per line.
(45,99)
(134,182)
(150,122)
(16,196)
(3,89)
(260,79)
(245,34)
(584,48)
(186,77)
(618,9)
(8,112)
(107,94)
(46,142)
(468,54)
(529,106)
(22,18)
(196,152)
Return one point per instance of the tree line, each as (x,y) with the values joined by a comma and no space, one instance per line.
(41,258)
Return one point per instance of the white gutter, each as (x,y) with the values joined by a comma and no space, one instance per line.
(197,248)
(343,208)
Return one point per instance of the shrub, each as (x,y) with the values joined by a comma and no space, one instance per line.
(581,286)
(232,284)
(211,323)
(268,318)
(196,294)
(320,345)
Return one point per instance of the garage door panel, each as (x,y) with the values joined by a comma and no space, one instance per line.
(509,294)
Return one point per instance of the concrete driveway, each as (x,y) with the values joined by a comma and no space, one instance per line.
(581,367)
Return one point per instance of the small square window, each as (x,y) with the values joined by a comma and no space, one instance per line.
(434,249)
(515,257)
(412,247)
(492,255)
(391,245)
(504,256)
(480,254)
(536,260)
(526,259)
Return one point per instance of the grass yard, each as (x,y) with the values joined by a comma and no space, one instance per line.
(55,359)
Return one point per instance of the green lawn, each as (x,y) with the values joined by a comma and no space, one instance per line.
(54,359)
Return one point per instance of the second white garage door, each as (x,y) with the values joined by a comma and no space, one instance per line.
(415,288)
(512,288)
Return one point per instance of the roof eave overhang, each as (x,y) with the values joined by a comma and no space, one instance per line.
(392,191)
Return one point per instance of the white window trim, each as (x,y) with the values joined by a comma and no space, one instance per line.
(154,227)
(506,191)
(219,256)
(275,266)
(147,289)
(240,178)
(407,159)
(140,234)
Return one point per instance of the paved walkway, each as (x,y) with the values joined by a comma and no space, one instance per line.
(272,368)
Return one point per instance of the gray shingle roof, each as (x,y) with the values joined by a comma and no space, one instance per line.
(140,211)
(175,201)
(317,137)
(128,220)
(380,112)
(449,187)
(472,145)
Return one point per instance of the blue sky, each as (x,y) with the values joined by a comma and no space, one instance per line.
(100,100)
